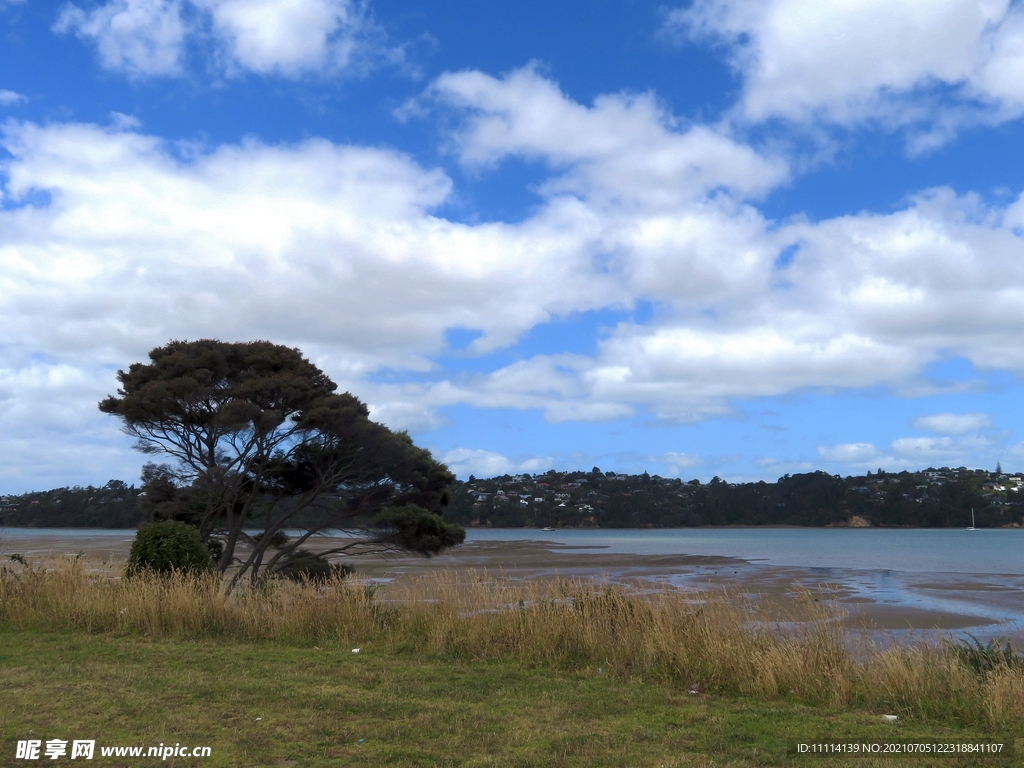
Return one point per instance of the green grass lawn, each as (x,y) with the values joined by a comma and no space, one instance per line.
(270,704)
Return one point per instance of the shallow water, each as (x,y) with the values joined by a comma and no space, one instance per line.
(921,577)
(986,551)
(976,574)
(950,551)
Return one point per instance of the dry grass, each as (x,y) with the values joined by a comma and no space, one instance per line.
(703,641)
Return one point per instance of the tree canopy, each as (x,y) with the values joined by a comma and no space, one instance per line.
(930,498)
(256,438)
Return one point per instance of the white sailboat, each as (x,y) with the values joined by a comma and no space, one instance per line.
(972,528)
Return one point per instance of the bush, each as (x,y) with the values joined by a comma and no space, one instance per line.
(168,546)
(304,565)
(985,658)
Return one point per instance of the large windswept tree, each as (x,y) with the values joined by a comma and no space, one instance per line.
(259,445)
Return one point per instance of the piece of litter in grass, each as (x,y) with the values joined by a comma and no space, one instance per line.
(360,741)
(258,719)
(890,718)
(600,671)
(356,650)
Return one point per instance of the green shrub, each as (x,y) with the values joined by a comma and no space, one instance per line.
(985,658)
(304,565)
(168,546)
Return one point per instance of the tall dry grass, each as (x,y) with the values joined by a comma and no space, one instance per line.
(183,606)
(704,641)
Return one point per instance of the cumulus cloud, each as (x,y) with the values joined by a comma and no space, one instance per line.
(911,452)
(943,451)
(53,434)
(7,98)
(678,462)
(340,250)
(848,453)
(291,37)
(850,60)
(280,37)
(624,146)
(924,449)
(953,423)
(139,37)
(330,248)
(779,467)
(465,462)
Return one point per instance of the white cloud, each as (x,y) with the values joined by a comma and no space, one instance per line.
(912,452)
(951,451)
(924,450)
(849,60)
(339,250)
(53,433)
(624,149)
(290,37)
(140,37)
(849,453)
(535,464)
(953,423)
(678,462)
(465,462)
(7,98)
(782,466)
(281,37)
(330,248)
(406,415)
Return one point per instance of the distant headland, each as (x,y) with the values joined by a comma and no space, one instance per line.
(932,498)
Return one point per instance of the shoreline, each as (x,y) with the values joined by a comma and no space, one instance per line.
(988,605)
(779,584)
(584,529)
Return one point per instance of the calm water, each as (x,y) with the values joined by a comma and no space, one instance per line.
(989,551)
(977,574)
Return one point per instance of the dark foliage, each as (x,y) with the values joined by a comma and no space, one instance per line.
(941,498)
(414,529)
(257,438)
(166,547)
(985,658)
(938,498)
(115,505)
(305,565)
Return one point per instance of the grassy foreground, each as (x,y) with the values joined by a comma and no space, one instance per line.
(316,705)
(464,672)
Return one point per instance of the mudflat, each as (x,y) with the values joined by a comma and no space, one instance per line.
(984,604)
(937,603)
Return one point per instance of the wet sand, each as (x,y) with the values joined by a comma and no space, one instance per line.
(101,546)
(986,605)
(886,611)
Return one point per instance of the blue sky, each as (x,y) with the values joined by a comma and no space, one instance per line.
(721,237)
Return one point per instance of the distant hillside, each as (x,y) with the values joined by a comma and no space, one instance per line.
(932,498)
(115,505)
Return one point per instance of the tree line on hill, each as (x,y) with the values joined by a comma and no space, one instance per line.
(933,498)
(262,453)
(115,505)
